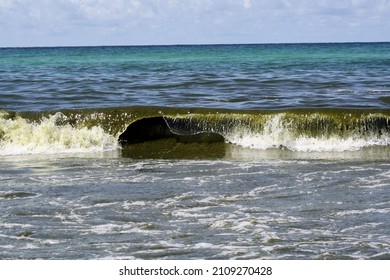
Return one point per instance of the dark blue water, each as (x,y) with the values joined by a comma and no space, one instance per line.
(288,182)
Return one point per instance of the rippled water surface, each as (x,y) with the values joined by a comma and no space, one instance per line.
(121,208)
(224,76)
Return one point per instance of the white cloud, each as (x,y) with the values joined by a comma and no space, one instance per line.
(247,4)
(5,4)
(105,10)
(24,22)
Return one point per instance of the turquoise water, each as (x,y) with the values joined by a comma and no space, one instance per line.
(185,152)
(222,76)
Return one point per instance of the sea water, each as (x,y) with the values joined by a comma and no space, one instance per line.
(302,171)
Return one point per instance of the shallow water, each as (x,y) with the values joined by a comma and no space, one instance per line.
(110,207)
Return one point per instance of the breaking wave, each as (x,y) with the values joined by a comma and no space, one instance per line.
(99,130)
(21,136)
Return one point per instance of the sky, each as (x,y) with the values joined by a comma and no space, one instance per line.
(28,23)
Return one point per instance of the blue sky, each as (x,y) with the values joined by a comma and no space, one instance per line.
(145,22)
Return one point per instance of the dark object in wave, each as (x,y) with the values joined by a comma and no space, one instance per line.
(154,128)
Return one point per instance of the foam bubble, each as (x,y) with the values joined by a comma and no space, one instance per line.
(277,135)
(20,136)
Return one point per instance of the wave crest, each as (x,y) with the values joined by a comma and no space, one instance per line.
(305,132)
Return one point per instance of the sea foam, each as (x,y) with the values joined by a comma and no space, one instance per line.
(20,136)
(277,134)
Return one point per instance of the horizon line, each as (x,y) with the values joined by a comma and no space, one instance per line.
(190,44)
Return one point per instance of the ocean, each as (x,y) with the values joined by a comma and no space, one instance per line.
(264,151)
